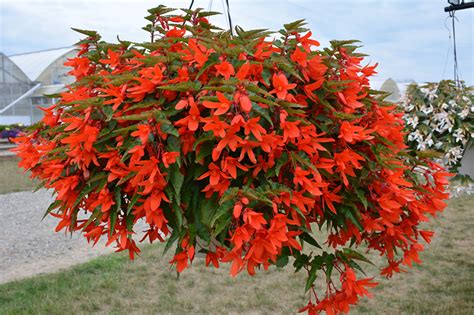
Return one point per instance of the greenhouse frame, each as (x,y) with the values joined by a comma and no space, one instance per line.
(26,78)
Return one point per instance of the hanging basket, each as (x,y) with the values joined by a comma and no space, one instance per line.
(246,144)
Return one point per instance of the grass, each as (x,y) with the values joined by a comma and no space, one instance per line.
(443,284)
(13,178)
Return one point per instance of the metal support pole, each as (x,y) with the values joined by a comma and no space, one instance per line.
(457,7)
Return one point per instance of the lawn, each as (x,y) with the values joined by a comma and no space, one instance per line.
(443,284)
(13,178)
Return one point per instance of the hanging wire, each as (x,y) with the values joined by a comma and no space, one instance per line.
(456,69)
(209,7)
(230,19)
(449,48)
(190,7)
(226,9)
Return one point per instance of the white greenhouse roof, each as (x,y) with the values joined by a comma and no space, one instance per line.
(401,84)
(34,63)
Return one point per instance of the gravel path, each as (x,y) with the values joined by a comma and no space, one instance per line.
(29,246)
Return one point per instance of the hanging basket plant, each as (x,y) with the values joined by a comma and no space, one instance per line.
(439,117)
(250,149)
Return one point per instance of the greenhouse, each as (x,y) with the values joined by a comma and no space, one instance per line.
(25,78)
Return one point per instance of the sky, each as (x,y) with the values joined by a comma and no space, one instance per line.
(410,39)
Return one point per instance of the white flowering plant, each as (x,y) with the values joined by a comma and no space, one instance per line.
(439,118)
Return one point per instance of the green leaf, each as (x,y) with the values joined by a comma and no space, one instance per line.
(300,262)
(282,261)
(129,219)
(352,254)
(208,13)
(212,60)
(96,215)
(230,194)
(205,149)
(309,239)
(133,202)
(35,126)
(223,222)
(362,197)
(283,64)
(175,235)
(256,89)
(126,178)
(303,160)
(222,217)
(329,269)
(141,116)
(51,207)
(88,189)
(328,261)
(207,209)
(173,144)
(113,219)
(176,179)
(339,43)
(280,162)
(259,99)
(118,198)
(291,105)
(86,32)
(294,25)
(225,88)
(266,76)
(355,265)
(352,217)
(222,211)
(178,215)
(160,10)
(170,129)
(313,272)
(309,282)
(182,86)
(263,113)
(202,232)
(206,136)
(109,112)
